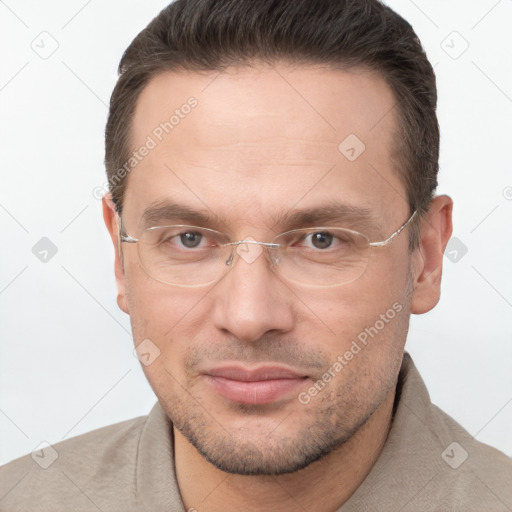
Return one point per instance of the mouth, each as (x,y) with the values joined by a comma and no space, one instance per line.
(262,385)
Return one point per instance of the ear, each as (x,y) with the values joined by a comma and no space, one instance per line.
(436,229)
(111,221)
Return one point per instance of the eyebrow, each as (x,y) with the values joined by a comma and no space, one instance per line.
(332,214)
(170,211)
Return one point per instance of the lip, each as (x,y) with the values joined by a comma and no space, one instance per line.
(262,385)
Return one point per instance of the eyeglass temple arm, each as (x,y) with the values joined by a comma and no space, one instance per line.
(395,234)
(128,238)
(124,238)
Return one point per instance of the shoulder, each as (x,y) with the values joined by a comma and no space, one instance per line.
(475,473)
(431,463)
(76,473)
(460,473)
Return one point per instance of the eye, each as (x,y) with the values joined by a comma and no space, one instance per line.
(191,239)
(321,239)
(178,238)
(337,241)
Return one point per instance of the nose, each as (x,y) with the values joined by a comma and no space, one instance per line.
(251,300)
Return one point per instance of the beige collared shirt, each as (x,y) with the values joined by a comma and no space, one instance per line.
(429,463)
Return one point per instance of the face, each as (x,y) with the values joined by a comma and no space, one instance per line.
(260,374)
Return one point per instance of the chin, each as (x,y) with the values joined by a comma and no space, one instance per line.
(276,453)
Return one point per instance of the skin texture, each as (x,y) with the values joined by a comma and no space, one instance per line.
(262,141)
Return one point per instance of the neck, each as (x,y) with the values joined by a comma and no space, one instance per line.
(324,485)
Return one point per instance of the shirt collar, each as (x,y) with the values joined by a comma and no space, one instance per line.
(155,474)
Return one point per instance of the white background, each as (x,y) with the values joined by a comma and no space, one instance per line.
(66,362)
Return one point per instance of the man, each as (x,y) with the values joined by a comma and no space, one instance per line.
(272,167)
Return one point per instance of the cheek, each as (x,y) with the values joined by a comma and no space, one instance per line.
(171,318)
(370,349)
(368,319)
(157,309)
(159,319)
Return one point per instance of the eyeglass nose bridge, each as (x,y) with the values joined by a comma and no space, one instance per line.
(266,244)
(250,258)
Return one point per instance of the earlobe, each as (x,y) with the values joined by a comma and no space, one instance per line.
(436,230)
(111,222)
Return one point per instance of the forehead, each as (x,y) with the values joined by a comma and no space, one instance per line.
(253,141)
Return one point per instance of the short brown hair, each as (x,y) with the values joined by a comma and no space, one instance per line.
(202,35)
